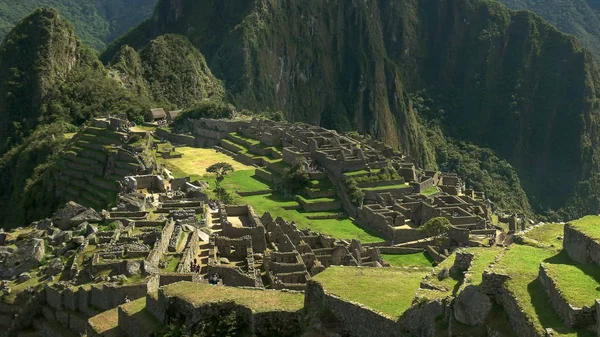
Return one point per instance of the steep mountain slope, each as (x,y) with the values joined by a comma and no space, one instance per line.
(170,71)
(49,82)
(500,79)
(580,18)
(97,21)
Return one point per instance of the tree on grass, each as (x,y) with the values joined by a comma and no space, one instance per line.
(295,179)
(220,170)
(438,229)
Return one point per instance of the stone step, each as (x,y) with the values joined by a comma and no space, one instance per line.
(136,321)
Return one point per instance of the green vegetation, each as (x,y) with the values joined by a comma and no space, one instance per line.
(437,228)
(105,322)
(371,287)
(171,71)
(255,300)
(207,109)
(356,195)
(430,190)
(97,22)
(577,283)
(295,179)
(408,260)
(483,257)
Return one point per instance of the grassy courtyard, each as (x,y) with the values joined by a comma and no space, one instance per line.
(195,161)
(371,287)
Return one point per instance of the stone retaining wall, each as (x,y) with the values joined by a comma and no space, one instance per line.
(572,316)
(494,285)
(580,247)
(361,321)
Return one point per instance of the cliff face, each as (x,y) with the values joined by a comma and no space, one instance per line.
(501,79)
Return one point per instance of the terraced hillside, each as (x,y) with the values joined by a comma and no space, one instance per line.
(92,166)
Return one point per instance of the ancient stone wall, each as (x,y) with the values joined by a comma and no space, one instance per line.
(572,316)
(434,254)
(190,253)
(161,245)
(176,138)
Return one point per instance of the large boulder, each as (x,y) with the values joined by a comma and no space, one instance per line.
(90,229)
(472,307)
(62,237)
(44,224)
(89,215)
(74,214)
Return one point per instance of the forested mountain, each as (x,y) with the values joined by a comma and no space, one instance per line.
(97,22)
(50,83)
(580,18)
(500,97)
(499,79)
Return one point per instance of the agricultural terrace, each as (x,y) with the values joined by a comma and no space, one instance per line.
(521,263)
(389,291)
(588,225)
(256,300)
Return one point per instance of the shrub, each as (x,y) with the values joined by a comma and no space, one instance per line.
(437,228)
(355,194)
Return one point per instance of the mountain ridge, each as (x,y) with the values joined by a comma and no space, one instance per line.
(328,63)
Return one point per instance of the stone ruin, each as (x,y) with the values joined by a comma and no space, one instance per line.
(393,208)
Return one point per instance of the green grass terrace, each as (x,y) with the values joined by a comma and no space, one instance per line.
(389,291)
(588,225)
(256,300)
